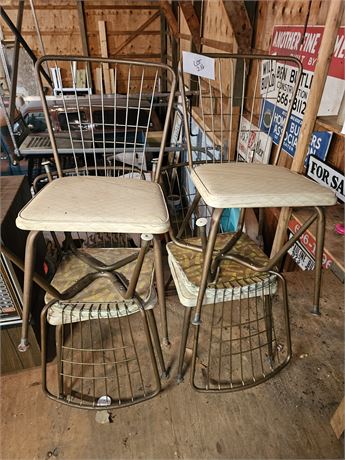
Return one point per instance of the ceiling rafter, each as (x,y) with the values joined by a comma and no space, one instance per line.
(239,20)
(193,22)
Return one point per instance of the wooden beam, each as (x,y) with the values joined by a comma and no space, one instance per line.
(15,59)
(83,35)
(104,53)
(240,23)
(170,17)
(136,33)
(223,46)
(338,419)
(192,22)
(333,21)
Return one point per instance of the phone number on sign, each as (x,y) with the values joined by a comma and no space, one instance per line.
(309,242)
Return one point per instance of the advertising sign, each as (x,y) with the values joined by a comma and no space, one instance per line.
(304,43)
(325,175)
(307,245)
(277,82)
(253,145)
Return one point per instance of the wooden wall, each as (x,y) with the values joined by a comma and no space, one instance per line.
(60,30)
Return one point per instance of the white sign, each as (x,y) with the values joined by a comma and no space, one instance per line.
(304,43)
(197,64)
(301,256)
(325,175)
(253,145)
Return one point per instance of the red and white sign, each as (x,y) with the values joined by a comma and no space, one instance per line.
(304,44)
(308,241)
(253,146)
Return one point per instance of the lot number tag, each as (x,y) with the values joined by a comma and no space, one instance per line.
(197,64)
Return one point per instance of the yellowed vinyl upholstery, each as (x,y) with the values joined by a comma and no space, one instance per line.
(243,185)
(235,281)
(75,204)
(72,269)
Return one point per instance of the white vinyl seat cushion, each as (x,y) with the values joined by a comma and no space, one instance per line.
(243,185)
(97,204)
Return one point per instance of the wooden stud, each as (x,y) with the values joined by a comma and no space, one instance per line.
(338,419)
(335,13)
(192,21)
(15,62)
(104,53)
(112,80)
(83,35)
(240,23)
(98,80)
(170,17)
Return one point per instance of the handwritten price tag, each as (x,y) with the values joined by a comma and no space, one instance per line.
(197,64)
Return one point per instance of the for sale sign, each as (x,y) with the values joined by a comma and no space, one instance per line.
(325,175)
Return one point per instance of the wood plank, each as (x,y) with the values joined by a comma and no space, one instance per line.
(12,359)
(295,406)
(192,22)
(133,35)
(331,124)
(338,419)
(84,41)
(104,53)
(238,17)
(170,17)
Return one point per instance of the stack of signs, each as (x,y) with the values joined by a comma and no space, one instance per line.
(277,79)
(253,145)
(303,251)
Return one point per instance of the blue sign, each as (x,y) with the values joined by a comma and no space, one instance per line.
(272,122)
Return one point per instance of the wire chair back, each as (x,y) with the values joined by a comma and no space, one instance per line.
(115,130)
(250,98)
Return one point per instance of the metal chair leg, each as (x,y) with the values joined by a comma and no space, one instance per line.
(158,262)
(155,337)
(217,213)
(267,303)
(185,329)
(30,252)
(58,344)
(320,237)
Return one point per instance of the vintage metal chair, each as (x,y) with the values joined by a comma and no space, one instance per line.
(227,279)
(104,140)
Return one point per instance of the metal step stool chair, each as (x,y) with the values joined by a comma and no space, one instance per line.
(104,140)
(227,278)
(105,353)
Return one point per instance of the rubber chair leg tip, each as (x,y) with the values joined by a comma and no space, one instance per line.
(23,347)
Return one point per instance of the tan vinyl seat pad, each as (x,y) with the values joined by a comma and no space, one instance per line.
(99,204)
(234,281)
(101,291)
(243,185)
